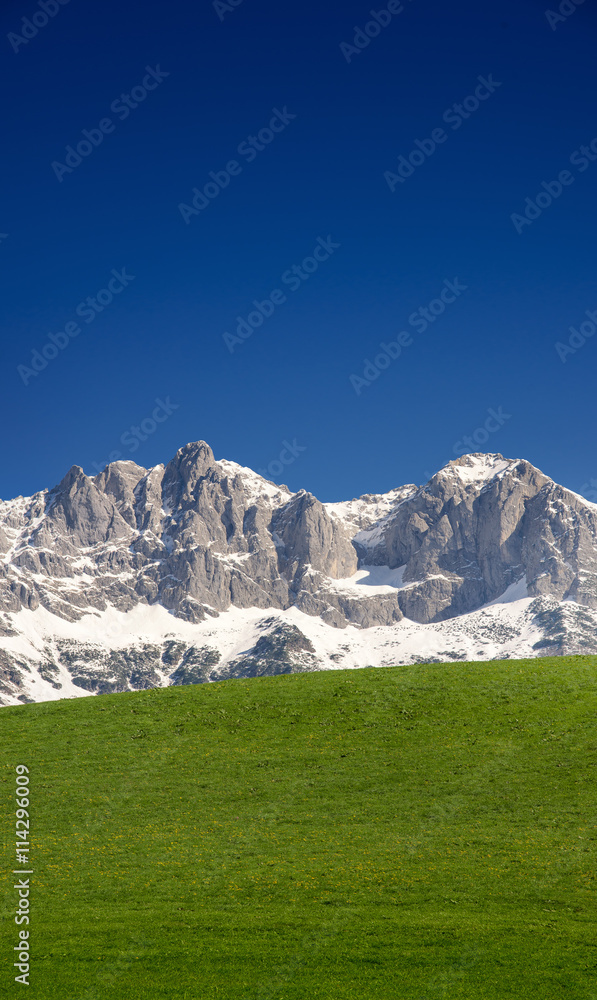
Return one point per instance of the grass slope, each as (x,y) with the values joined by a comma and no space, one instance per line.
(415,832)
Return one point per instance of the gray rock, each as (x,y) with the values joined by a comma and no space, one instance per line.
(201,536)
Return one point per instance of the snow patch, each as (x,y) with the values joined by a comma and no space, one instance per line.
(360,514)
(474,469)
(255,486)
(373,579)
(515,592)
(502,629)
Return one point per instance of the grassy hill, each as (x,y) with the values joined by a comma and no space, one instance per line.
(416,832)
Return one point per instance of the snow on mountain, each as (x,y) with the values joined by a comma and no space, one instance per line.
(255,487)
(60,659)
(361,513)
(202,570)
(477,469)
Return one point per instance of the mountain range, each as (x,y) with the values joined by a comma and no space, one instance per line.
(203,570)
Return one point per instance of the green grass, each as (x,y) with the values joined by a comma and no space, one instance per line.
(416,832)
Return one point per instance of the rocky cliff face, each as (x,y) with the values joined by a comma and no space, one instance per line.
(200,537)
(480,525)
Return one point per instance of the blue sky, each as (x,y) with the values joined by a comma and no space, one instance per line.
(316,183)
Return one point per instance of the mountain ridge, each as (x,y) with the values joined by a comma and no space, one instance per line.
(199,538)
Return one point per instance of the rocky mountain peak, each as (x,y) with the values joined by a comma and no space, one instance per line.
(71,482)
(199,538)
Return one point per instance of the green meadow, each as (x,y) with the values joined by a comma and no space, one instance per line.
(418,832)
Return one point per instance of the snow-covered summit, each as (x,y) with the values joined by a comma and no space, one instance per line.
(477,468)
(199,539)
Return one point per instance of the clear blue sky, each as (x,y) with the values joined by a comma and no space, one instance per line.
(316,176)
